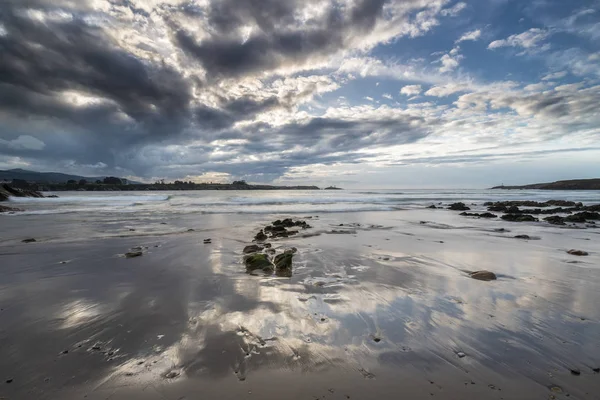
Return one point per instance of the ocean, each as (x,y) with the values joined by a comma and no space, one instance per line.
(162,203)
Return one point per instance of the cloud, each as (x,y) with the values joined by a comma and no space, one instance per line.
(446,90)
(526,40)
(454,10)
(24,142)
(411,90)
(230,89)
(472,35)
(555,75)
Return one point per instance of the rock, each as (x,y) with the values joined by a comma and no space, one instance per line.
(253,248)
(501,230)
(207,241)
(260,236)
(291,250)
(284,261)
(267,245)
(133,254)
(483,275)
(278,229)
(575,371)
(596,370)
(9,209)
(432,206)
(30,240)
(9,380)
(522,237)
(483,215)
(574,252)
(519,217)
(555,220)
(458,207)
(191,230)
(52,196)
(583,216)
(258,261)
(460,354)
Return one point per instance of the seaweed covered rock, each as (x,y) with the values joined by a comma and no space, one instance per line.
(483,275)
(519,218)
(284,260)
(258,261)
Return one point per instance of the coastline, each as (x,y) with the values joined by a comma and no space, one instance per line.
(378,303)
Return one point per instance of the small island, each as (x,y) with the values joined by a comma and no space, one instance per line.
(574,184)
(332,188)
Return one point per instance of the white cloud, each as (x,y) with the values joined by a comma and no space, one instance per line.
(411,90)
(387,96)
(555,75)
(472,35)
(526,40)
(454,10)
(445,90)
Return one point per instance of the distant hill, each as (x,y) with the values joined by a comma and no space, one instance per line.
(574,184)
(47,177)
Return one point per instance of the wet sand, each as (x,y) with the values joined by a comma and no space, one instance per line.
(379,310)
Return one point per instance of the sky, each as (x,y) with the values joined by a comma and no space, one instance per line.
(354,93)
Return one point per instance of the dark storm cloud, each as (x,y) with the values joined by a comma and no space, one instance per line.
(225,56)
(42,59)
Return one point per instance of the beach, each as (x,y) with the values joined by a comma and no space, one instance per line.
(379,304)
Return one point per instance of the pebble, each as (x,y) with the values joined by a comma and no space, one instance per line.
(575,371)
(460,354)
(9,380)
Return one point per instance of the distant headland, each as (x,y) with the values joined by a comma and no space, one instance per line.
(54,182)
(574,184)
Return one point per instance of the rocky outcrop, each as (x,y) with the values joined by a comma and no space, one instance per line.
(7,191)
(519,218)
(574,184)
(4,209)
(458,207)
(480,215)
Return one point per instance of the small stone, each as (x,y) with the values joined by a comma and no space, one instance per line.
(9,380)
(30,240)
(132,254)
(522,237)
(376,339)
(460,354)
(131,230)
(191,230)
(483,275)
(596,370)
(574,252)
(171,374)
(575,371)
(65,352)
